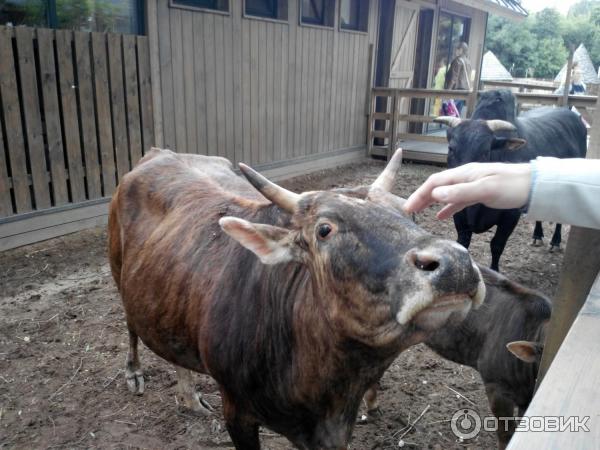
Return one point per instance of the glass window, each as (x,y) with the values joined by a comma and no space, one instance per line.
(317,12)
(354,15)
(270,9)
(452,30)
(217,5)
(119,16)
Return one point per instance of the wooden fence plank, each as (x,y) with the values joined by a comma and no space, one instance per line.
(104,121)
(246,92)
(6,208)
(211,91)
(166,73)
(69,109)
(145,79)
(88,115)
(200,79)
(262,92)
(269,95)
(48,76)
(254,74)
(117,98)
(33,120)
(229,152)
(177,65)
(132,99)
(220,82)
(238,75)
(12,122)
(189,85)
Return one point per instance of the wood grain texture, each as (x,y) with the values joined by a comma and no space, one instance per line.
(146,96)
(12,122)
(33,120)
(132,99)
(88,116)
(70,118)
(103,115)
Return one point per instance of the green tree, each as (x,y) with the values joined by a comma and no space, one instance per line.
(546,24)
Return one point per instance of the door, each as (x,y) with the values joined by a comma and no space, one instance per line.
(402,61)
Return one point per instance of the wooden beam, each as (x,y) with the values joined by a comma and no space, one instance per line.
(579,270)
(570,388)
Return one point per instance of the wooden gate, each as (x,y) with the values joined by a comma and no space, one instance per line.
(75,116)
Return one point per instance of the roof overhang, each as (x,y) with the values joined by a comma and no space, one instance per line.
(510,9)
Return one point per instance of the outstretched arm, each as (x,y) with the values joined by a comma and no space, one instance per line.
(496,185)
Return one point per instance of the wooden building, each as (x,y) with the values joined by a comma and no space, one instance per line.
(283,85)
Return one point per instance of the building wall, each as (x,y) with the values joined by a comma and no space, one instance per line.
(255,90)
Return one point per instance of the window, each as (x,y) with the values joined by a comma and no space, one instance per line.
(354,15)
(215,5)
(270,9)
(118,16)
(317,12)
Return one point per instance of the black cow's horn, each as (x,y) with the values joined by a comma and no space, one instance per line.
(286,200)
(500,125)
(385,181)
(448,120)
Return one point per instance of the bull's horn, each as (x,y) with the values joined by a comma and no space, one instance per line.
(500,125)
(286,200)
(385,181)
(448,120)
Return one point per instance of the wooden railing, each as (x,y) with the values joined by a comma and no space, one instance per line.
(518,85)
(389,112)
(76,108)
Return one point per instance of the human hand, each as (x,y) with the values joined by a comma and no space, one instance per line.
(496,185)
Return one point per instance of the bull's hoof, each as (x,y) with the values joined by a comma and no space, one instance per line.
(537,242)
(369,416)
(196,404)
(135,381)
(554,248)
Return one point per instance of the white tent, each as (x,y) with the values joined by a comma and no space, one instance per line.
(588,71)
(493,70)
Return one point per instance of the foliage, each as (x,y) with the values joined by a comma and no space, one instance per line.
(539,45)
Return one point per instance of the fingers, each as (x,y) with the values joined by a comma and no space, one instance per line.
(449,210)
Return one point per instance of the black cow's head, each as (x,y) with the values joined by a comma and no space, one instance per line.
(497,104)
(477,140)
(381,275)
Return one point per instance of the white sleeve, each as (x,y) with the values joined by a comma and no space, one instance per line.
(566,191)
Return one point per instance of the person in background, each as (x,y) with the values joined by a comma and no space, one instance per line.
(552,189)
(577,85)
(459,74)
(438,83)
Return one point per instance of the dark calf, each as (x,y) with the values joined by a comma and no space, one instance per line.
(512,321)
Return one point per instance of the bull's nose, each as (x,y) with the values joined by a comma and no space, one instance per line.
(446,265)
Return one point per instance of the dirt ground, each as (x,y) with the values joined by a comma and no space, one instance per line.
(63,343)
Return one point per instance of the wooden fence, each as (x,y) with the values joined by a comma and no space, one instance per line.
(75,115)
(384,128)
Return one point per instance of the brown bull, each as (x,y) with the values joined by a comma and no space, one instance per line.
(298,324)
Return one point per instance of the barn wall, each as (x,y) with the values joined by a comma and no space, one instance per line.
(255,90)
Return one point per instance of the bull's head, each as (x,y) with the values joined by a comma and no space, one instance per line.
(379,274)
(476,140)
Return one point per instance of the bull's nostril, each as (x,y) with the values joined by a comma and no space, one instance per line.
(426,265)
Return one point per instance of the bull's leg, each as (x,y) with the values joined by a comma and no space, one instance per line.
(504,229)
(463,231)
(538,234)
(133,371)
(556,238)
(187,393)
(371,402)
(502,407)
(242,429)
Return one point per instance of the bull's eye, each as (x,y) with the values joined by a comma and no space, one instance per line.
(324,230)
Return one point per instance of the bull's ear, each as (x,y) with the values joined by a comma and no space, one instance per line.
(525,350)
(508,143)
(271,244)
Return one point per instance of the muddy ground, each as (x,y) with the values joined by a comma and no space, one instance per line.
(63,343)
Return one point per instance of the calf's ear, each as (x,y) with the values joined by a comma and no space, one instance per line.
(273,245)
(525,350)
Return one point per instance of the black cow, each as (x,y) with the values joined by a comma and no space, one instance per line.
(511,322)
(495,135)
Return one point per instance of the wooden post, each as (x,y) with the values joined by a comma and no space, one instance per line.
(565,98)
(580,267)
(394,128)
(368,109)
(472,101)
